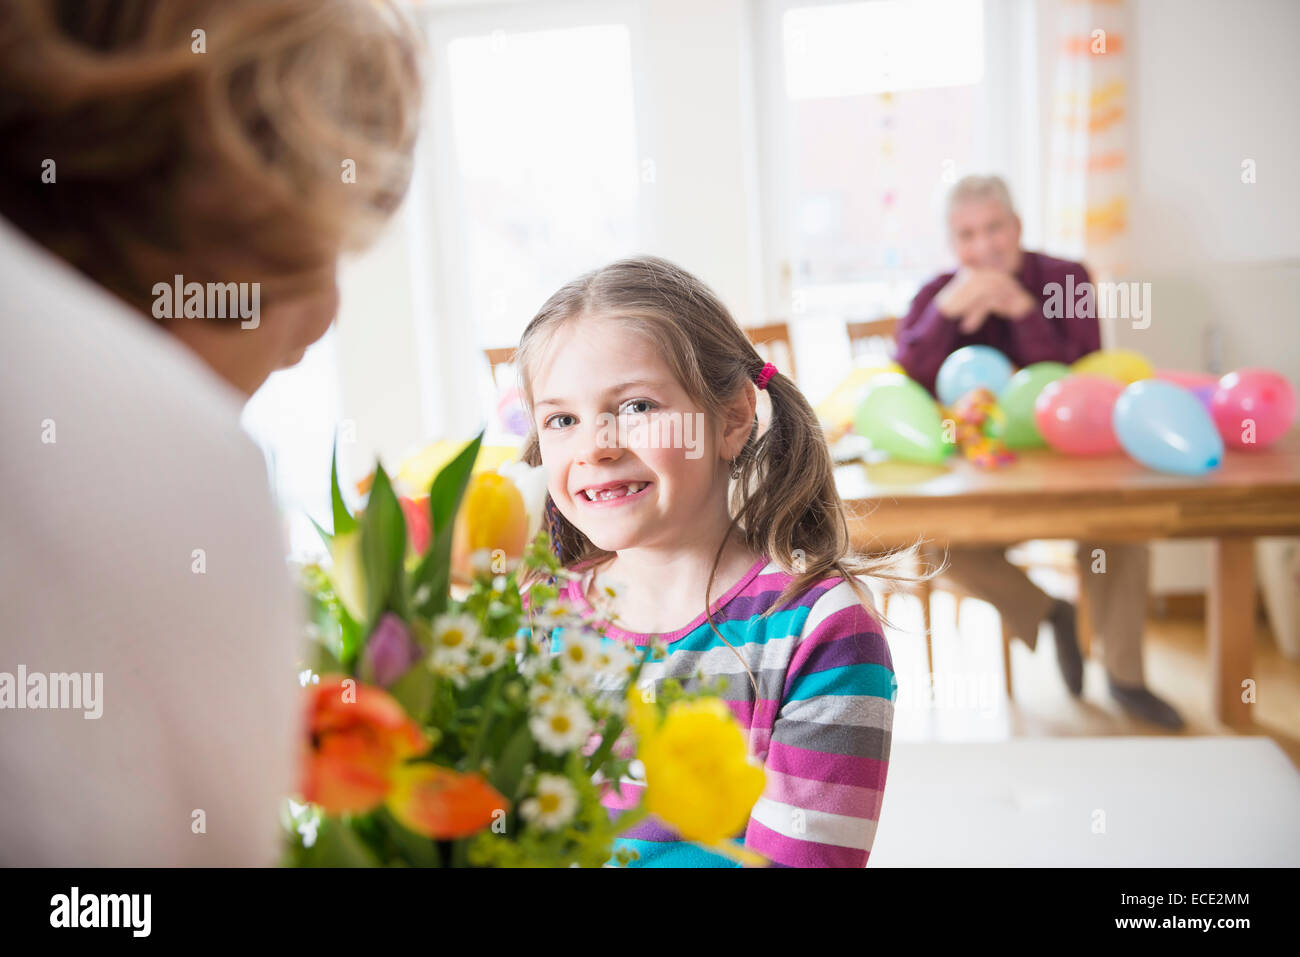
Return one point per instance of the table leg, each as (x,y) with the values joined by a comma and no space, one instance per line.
(1231,623)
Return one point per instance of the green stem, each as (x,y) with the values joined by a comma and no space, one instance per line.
(476,753)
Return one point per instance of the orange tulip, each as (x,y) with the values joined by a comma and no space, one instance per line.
(443,804)
(358,737)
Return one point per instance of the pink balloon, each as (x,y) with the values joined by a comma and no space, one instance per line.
(1253,408)
(1191,381)
(1074,414)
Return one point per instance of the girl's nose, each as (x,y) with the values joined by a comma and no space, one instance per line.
(600,444)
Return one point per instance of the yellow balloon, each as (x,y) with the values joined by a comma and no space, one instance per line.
(1122,365)
(835,412)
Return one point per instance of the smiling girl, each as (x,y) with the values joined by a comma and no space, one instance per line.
(676,513)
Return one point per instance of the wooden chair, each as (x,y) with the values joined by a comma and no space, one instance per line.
(498,361)
(872,336)
(773,343)
(924,591)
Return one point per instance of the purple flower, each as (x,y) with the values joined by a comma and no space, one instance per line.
(390,652)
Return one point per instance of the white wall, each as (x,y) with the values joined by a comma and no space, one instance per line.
(1215,84)
(704,205)
(377,352)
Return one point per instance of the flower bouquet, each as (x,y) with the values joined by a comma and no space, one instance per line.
(446,723)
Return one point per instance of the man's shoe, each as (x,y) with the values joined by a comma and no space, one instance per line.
(1068,656)
(1137,701)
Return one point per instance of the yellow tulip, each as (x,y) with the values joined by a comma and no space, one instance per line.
(347,574)
(417,472)
(492,518)
(642,715)
(698,776)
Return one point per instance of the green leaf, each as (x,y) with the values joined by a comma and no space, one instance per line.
(414,691)
(416,850)
(434,573)
(383,546)
(343,520)
(509,768)
(325,536)
(337,845)
(449,484)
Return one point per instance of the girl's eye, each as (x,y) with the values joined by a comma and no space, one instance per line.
(559,415)
(646,402)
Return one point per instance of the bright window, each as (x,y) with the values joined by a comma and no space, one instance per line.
(868,113)
(544,133)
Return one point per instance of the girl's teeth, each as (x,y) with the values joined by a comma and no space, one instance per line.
(605,495)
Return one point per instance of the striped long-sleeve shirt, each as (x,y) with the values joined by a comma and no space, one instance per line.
(820,724)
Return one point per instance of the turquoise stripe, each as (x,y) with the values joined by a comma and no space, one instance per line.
(739,632)
(847,680)
(672,854)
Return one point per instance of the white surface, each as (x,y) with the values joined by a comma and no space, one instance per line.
(1172,802)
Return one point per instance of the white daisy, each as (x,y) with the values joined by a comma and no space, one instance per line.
(486,656)
(554,804)
(615,659)
(480,561)
(544,687)
(578,657)
(556,613)
(453,638)
(561,724)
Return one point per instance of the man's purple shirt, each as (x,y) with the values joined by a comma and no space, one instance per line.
(926,337)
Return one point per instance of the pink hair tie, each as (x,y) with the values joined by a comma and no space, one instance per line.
(765,375)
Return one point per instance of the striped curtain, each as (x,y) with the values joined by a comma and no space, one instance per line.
(1089,163)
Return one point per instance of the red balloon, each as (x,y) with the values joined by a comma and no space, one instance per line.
(1074,414)
(1253,408)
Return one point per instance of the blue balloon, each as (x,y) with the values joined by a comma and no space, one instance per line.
(1166,428)
(972,367)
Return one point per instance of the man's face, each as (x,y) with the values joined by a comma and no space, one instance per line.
(985,235)
(596,372)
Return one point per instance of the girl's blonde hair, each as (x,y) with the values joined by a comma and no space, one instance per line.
(208,138)
(784,502)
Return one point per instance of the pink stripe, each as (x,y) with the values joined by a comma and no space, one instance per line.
(852,620)
(620,797)
(749,713)
(794,853)
(844,799)
(827,768)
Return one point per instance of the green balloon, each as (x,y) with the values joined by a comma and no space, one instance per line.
(899,417)
(1018,428)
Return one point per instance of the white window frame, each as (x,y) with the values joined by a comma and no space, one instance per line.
(455,374)
(1009,133)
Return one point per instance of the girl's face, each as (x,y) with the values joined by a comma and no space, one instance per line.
(609,412)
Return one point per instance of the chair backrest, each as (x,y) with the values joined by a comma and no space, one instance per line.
(500,361)
(872,337)
(773,343)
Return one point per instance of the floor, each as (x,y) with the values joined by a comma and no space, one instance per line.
(969,703)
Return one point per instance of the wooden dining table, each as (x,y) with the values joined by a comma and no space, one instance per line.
(1105,498)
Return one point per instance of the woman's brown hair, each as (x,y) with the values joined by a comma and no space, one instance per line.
(208,138)
(784,501)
